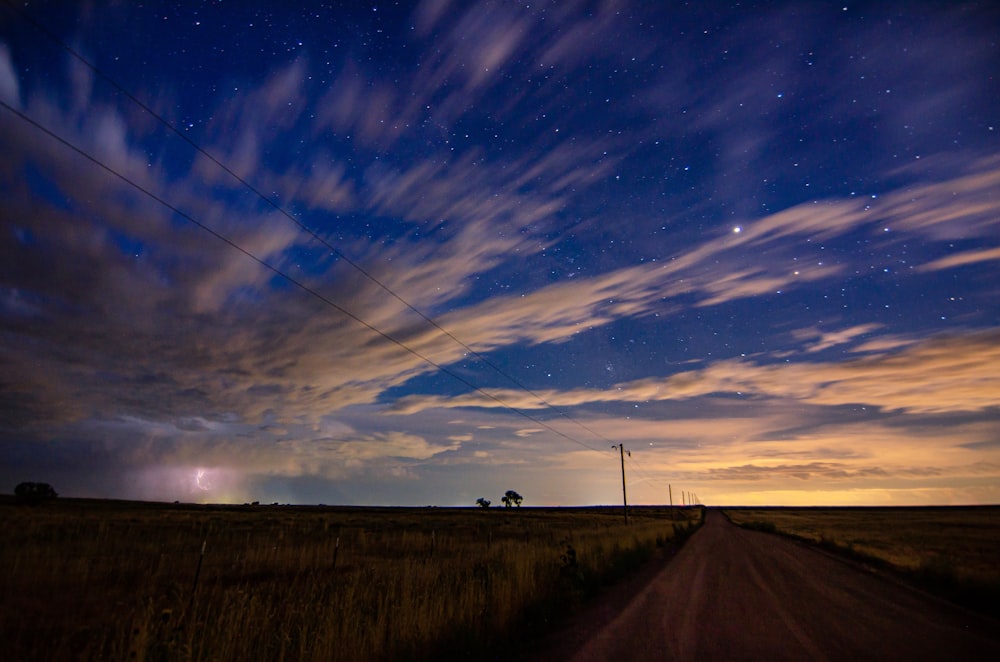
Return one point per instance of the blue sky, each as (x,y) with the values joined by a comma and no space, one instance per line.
(419,253)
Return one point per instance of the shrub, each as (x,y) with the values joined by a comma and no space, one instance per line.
(32,493)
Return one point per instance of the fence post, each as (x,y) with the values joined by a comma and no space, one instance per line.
(197,571)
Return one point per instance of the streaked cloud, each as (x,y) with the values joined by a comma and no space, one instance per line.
(823,340)
(962,259)
(10,87)
(481,186)
(942,374)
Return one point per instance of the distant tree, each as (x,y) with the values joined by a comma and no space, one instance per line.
(511,498)
(483,502)
(29,492)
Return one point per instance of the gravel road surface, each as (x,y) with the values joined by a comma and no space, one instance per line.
(734,594)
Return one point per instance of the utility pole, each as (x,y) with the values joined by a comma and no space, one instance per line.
(670,489)
(622,451)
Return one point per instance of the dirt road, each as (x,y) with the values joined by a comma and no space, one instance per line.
(734,594)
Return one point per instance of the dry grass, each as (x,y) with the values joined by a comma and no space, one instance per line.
(100,580)
(952,550)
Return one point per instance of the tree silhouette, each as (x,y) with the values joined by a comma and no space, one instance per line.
(512,498)
(483,502)
(29,492)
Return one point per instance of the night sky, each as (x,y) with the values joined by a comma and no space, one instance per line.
(418,253)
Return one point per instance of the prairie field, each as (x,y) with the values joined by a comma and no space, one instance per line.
(122,580)
(954,551)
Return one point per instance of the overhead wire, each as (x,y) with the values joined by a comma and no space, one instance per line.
(635,466)
(67,143)
(277,207)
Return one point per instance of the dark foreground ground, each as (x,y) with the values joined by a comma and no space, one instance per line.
(734,594)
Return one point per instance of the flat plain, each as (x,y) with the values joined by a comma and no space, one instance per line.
(952,551)
(124,580)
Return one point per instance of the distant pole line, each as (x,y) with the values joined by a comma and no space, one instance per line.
(277,207)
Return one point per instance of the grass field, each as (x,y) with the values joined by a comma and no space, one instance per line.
(117,580)
(954,551)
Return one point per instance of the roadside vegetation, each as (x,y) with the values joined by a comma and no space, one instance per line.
(951,551)
(128,581)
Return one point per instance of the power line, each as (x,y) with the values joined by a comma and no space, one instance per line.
(281,273)
(636,467)
(97,71)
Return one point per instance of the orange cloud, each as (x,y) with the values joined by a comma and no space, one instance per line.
(942,374)
(827,339)
(962,259)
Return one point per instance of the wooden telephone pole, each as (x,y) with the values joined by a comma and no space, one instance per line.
(622,451)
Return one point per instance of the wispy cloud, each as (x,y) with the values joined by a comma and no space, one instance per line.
(306,362)
(123,321)
(10,87)
(962,259)
(942,374)
(962,206)
(822,340)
